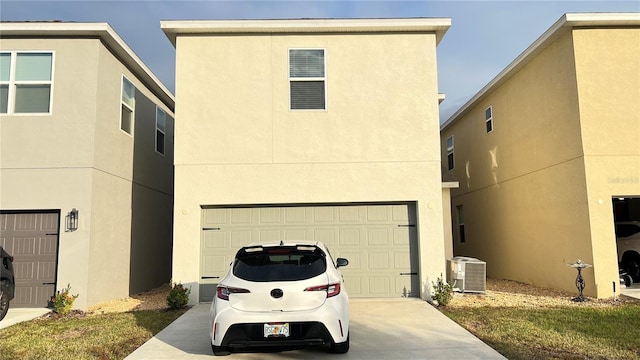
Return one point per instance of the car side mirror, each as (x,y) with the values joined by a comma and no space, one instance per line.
(341,262)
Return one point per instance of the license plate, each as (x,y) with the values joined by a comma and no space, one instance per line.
(276,330)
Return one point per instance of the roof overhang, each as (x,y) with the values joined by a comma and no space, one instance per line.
(175,28)
(566,23)
(107,36)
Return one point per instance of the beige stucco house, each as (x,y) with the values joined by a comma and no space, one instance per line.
(86,164)
(310,129)
(547,151)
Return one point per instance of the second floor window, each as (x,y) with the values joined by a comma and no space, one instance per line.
(450,160)
(307,90)
(488,119)
(161,125)
(127,106)
(26,79)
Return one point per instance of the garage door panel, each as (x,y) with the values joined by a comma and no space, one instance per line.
(270,235)
(349,214)
(240,216)
(326,214)
(349,237)
(215,217)
(380,285)
(353,285)
(295,215)
(379,260)
(377,240)
(295,234)
(401,236)
(377,214)
(49,222)
(26,222)
(378,236)
(327,236)
(241,237)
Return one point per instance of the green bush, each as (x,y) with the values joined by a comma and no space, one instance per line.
(442,291)
(178,296)
(63,301)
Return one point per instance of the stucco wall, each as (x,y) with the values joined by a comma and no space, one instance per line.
(607,64)
(537,190)
(77,157)
(237,142)
(522,186)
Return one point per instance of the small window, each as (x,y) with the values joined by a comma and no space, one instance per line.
(450,160)
(127,106)
(307,90)
(26,79)
(161,124)
(461,236)
(488,119)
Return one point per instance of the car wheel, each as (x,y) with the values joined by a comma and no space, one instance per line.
(220,350)
(4,300)
(626,279)
(631,265)
(340,348)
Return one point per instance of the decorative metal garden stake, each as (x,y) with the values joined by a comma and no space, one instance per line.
(579,280)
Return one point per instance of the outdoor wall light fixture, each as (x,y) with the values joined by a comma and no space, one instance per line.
(71,220)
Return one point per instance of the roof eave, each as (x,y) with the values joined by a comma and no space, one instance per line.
(106,34)
(565,23)
(174,28)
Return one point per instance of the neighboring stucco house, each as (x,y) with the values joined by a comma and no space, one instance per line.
(86,164)
(310,129)
(547,151)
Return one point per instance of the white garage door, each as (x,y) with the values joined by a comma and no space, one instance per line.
(380,241)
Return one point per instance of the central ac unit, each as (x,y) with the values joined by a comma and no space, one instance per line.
(469,274)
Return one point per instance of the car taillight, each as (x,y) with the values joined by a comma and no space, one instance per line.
(223,292)
(331,289)
(11,258)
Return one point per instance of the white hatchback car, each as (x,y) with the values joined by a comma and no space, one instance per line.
(287,294)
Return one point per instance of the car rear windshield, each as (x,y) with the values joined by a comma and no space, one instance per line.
(280,263)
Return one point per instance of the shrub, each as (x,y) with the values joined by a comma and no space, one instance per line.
(178,296)
(63,301)
(442,291)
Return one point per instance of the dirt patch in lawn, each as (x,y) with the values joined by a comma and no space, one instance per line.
(155,299)
(507,293)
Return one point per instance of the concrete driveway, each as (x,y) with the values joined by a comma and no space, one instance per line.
(380,329)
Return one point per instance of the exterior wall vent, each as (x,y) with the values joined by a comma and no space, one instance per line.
(468,274)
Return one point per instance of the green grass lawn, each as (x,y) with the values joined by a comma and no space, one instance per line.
(571,332)
(108,336)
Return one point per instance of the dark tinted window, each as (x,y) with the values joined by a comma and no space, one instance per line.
(626,230)
(279,263)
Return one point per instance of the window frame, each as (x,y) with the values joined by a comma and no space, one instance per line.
(451,162)
(462,238)
(308,79)
(161,131)
(129,107)
(488,120)
(12,83)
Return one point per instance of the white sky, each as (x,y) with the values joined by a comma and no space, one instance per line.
(485,36)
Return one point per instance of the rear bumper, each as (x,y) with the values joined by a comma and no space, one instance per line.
(233,328)
(251,335)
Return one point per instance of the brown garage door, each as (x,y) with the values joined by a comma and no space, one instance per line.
(32,239)
(380,241)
